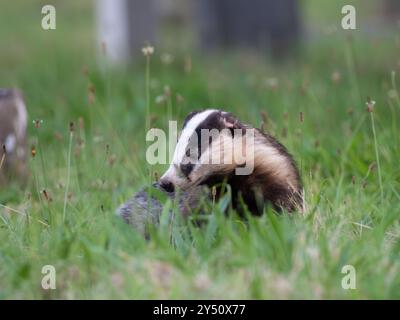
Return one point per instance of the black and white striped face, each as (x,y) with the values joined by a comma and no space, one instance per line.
(201,150)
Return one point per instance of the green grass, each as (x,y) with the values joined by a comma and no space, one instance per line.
(89,173)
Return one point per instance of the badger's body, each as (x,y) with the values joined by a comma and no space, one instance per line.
(273,178)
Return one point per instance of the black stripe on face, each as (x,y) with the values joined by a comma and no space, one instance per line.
(213,121)
(186,169)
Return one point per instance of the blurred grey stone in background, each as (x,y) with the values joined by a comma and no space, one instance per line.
(263,26)
(124,26)
(13,123)
(392,11)
(266,26)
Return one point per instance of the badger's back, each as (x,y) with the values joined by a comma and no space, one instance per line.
(275,179)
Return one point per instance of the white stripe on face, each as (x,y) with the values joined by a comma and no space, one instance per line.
(187,132)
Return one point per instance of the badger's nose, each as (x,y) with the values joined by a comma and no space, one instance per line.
(167,185)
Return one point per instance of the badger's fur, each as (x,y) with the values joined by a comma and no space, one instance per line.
(274,179)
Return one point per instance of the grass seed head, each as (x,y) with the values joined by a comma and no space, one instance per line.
(58,136)
(272,83)
(47,196)
(160,99)
(167,58)
(37,123)
(370,105)
(148,50)
(167,91)
(112,159)
(214,193)
(286,116)
(264,117)
(336,77)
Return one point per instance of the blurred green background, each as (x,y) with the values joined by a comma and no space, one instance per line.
(352,219)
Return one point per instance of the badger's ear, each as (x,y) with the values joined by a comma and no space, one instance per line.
(190,116)
(230,121)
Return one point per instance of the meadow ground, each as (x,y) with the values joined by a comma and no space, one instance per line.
(316,106)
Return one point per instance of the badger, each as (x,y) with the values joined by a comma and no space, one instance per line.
(216,149)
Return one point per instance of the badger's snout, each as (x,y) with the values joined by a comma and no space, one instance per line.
(167,185)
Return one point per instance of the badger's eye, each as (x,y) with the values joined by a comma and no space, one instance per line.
(186,168)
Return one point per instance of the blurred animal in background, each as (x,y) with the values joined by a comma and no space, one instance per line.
(13,123)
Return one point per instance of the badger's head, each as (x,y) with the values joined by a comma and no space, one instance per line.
(205,149)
